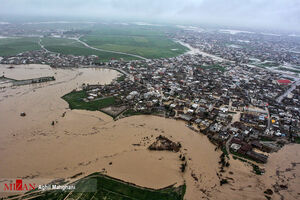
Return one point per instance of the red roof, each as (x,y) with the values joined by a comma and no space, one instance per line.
(284,81)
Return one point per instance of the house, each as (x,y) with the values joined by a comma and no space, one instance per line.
(185,117)
(284,82)
(235,147)
(245,148)
(257,156)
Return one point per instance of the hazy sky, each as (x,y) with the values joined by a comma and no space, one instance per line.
(284,14)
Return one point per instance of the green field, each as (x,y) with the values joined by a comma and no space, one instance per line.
(288,70)
(75,101)
(97,186)
(14,46)
(72,47)
(146,41)
(149,42)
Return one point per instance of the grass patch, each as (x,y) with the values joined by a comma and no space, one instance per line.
(268,64)
(225,151)
(256,170)
(75,101)
(297,140)
(99,186)
(14,46)
(121,78)
(288,69)
(131,112)
(213,67)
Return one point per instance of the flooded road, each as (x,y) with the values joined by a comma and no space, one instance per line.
(291,89)
(194,51)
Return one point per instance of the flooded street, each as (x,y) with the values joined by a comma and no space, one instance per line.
(86,142)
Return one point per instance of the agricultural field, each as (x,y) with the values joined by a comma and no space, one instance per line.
(145,41)
(148,42)
(100,187)
(72,47)
(14,46)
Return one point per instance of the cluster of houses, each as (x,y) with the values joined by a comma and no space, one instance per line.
(244,47)
(49,58)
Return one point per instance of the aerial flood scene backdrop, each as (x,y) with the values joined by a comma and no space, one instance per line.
(150,100)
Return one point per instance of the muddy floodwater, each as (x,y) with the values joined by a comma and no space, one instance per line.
(86,142)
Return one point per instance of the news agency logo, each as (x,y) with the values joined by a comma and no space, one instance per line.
(19,186)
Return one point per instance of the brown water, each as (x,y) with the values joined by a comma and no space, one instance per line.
(41,102)
(85,141)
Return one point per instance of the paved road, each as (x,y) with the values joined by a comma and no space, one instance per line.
(42,46)
(109,51)
(297,82)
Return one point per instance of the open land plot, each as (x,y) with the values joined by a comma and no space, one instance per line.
(147,42)
(75,101)
(14,46)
